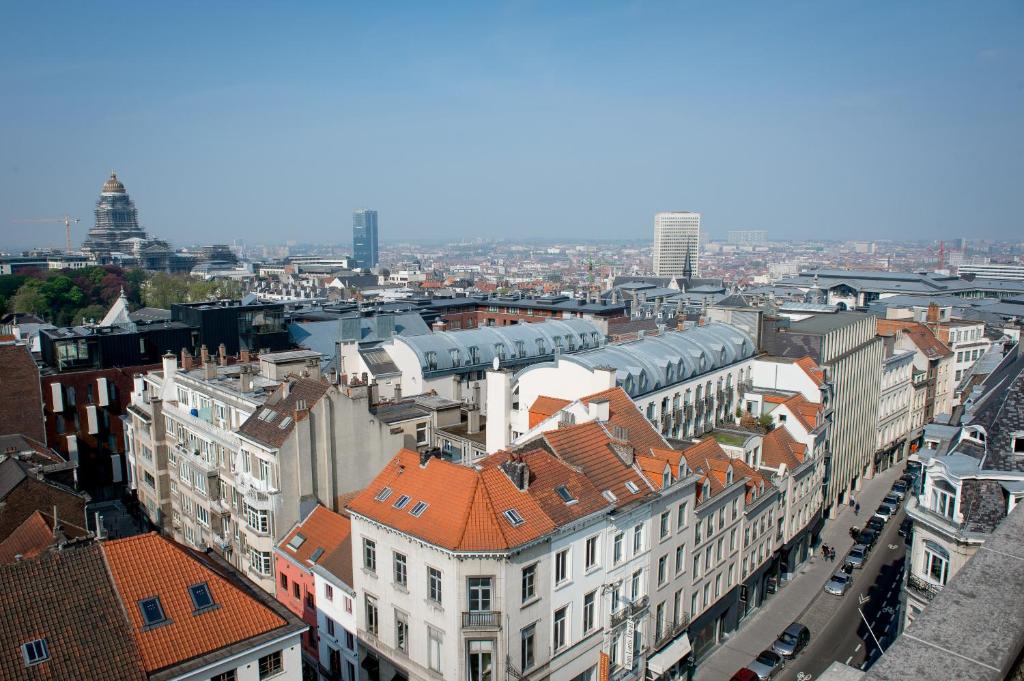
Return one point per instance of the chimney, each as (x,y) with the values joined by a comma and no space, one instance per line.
(186,360)
(204,354)
(222,355)
(429,454)
(398,391)
(374,392)
(209,371)
(598,409)
(170,367)
(518,472)
(243,356)
(472,421)
(933,312)
(245,379)
(301,411)
(99,525)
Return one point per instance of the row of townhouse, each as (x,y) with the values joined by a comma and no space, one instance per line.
(230,456)
(592,550)
(972,477)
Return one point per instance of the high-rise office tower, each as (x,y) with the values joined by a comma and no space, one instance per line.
(677,244)
(364,238)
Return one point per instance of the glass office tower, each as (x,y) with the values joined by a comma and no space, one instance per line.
(364,238)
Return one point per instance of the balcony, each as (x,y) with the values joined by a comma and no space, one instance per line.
(922,588)
(672,630)
(628,610)
(481,619)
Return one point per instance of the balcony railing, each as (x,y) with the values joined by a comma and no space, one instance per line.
(629,610)
(922,588)
(481,619)
(672,629)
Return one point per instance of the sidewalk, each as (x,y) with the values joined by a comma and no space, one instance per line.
(759,630)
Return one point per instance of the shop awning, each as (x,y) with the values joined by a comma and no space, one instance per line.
(663,660)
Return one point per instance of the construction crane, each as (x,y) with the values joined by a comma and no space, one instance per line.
(66,221)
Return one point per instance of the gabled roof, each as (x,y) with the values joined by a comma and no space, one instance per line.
(545,406)
(811,368)
(779,447)
(624,413)
(322,531)
(27,495)
(29,539)
(607,462)
(919,334)
(465,507)
(149,565)
(274,421)
(805,411)
(66,598)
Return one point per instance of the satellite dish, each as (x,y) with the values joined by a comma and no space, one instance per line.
(495,364)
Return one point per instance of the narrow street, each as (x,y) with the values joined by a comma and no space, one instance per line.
(838,632)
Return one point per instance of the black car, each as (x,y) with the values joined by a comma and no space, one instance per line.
(905,527)
(875,524)
(868,538)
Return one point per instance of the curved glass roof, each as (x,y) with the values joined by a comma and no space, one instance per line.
(452,350)
(655,362)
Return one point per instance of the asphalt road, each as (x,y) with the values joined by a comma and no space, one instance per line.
(838,632)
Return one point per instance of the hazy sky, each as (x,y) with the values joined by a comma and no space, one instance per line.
(270,121)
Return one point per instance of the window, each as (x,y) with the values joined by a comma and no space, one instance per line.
(680,558)
(296,590)
(152,611)
(558,629)
(434,584)
(561,566)
(201,596)
(258,520)
(696,565)
(659,621)
(590,559)
(479,591)
(401,632)
(328,592)
(617,549)
(527,644)
(418,509)
(370,555)
(229,675)
(565,495)
(944,499)
(666,524)
(638,538)
(662,570)
(936,563)
(35,651)
(402,501)
(434,638)
(330,626)
(284,581)
(401,576)
(694,604)
(631,486)
(589,603)
(634,585)
(732,539)
(529,587)
(513,517)
(421,433)
(203,516)
(383,494)
(372,623)
(271,665)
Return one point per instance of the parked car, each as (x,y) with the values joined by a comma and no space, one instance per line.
(857,555)
(892,499)
(767,665)
(839,584)
(900,489)
(905,527)
(744,675)
(791,641)
(884,511)
(868,538)
(876,524)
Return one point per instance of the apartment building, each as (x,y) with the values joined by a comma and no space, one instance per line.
(684,382)
(966,340)
(968,489)
(844,346)
(227,456)
(932,376)
(336,602)
(894,407)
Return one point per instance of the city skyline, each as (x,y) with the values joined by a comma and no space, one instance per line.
(570,120)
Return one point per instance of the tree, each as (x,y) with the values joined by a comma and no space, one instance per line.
(90,313)
(163,290)
(29,299)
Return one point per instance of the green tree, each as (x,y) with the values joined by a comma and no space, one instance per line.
(164,290)
(29,299)
(89,313)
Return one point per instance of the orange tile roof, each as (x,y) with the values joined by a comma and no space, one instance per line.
(779,447)
(812,369)
(150,565)
(591,448)
(920,334)
(466,506)
(543,407)
(322,529)
(623,412)
(709,460)
(805,411)
(29,539)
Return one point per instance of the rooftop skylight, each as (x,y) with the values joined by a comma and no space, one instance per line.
(418,509)
(564,493)
(383,494)
(152,611)
(202,599)
(513,517)
(296,541)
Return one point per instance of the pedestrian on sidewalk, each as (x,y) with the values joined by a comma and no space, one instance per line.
(856,508)
(831,554)
(824,551)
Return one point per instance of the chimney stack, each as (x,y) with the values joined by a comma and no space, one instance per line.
(933,312)
(204,354)
(245,379)
(170,365)
(222,355)
(243,356)
(472,421)
(518,472)
(186,360)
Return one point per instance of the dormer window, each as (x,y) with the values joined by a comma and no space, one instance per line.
(666,478)
(728,476)
(706,490)
(454,354)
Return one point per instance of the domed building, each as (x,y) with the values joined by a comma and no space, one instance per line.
(117,226)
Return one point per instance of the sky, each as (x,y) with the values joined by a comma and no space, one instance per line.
(269,122)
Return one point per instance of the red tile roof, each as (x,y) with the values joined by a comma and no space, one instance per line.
(543,407)
(321,529)
(920,334)
(150,565)
(624,413)
(779,447)
(812,369)
(805,411)
(29,539)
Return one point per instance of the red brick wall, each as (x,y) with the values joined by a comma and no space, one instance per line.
(21,409)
